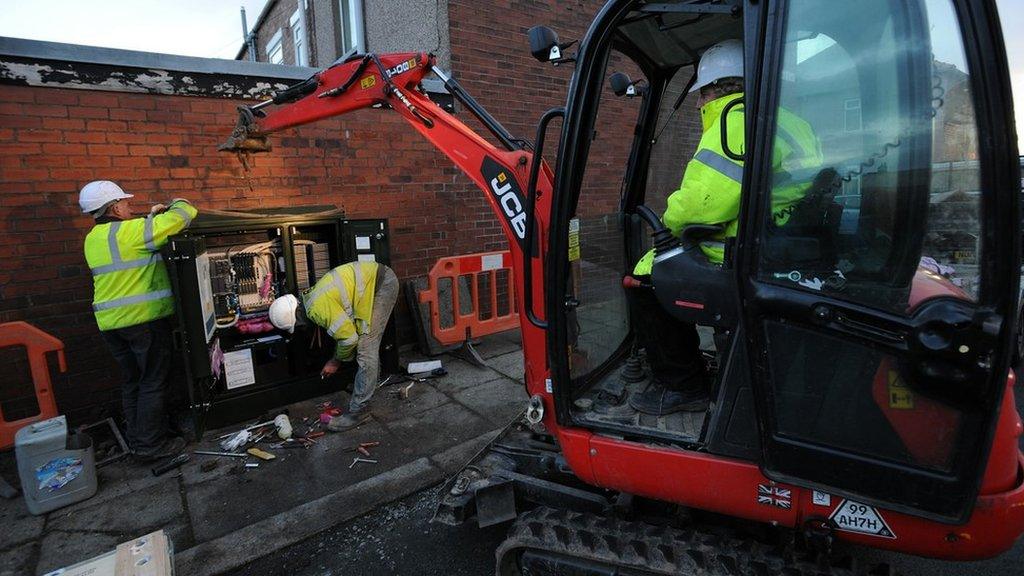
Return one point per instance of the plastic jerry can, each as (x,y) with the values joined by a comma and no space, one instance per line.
(56,469)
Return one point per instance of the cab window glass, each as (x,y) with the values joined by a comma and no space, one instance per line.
(874,192)
(874,199)
(599,323)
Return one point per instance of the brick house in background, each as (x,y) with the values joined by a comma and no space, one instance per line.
(318,32)
(71,114)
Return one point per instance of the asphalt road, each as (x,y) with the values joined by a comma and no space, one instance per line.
(398,539)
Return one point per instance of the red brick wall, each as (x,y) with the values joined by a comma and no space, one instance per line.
(52,141)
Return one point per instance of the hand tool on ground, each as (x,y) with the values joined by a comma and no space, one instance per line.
(225,454)
(362,447)
(262,455)
(170,465)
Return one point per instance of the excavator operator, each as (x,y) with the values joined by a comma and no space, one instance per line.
(710,195)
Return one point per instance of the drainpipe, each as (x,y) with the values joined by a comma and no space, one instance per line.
(248,38)
(357,16)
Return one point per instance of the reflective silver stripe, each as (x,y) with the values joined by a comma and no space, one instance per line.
(357,269)
(147,234)
(720,164)
(129,300)
(713,244)
(337,324)
(346,298)
(187,217)
(115,252)
(126,265)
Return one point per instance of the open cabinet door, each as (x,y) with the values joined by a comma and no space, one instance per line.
(878,256)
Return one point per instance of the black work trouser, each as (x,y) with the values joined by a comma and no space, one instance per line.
(673,347)
(144,353)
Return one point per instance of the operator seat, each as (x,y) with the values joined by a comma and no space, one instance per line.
(695,290)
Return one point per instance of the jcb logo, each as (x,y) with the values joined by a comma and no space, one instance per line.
(403,67)
(509,197)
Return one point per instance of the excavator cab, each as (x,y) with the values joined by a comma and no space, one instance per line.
(860,326)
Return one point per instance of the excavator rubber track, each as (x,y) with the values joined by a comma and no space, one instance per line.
(550,541)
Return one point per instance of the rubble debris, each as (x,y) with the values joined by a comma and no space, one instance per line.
(237,441)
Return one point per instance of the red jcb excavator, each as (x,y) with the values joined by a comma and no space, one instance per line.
(861,349)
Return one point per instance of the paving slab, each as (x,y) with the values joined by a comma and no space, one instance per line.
(61,549)
(498,344)
(387,405)
(446,425)
(510,365)
(19,525)
(130,515)
(498,400)
(18,560)
(244,496)
(253,541)
(461,374)
(118,480)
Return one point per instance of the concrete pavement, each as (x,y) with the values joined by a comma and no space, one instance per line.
(223,518)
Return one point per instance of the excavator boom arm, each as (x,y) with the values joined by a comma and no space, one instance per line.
(394,81)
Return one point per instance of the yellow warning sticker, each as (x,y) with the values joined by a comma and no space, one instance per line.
(502,177)
(574,239)
(368,82)
(900,397)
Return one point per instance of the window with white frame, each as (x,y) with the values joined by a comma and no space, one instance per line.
(350,30)
(298,25)
(275,52)
(852,116)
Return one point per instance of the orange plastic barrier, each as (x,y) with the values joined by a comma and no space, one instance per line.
(37,345)
(482,272)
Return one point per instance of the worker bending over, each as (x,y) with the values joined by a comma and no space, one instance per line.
(353,303)
(131,301)
(710,194)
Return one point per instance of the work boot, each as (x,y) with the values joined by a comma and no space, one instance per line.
(348,421)
(170,448)
(658,401)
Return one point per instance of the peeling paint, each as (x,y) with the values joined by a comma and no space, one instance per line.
(124,79)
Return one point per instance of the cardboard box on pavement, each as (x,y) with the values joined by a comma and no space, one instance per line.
(149,555)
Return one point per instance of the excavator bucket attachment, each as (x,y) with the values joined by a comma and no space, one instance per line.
(244,138)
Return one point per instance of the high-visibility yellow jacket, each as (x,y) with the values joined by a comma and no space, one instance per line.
(130,283)
(710,190)
(342,303)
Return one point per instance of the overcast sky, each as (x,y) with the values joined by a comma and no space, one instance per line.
(213,28)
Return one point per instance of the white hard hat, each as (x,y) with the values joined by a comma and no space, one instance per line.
(282,312)
(99,193)
(723,60)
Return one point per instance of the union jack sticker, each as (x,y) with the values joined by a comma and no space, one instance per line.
(774,496)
